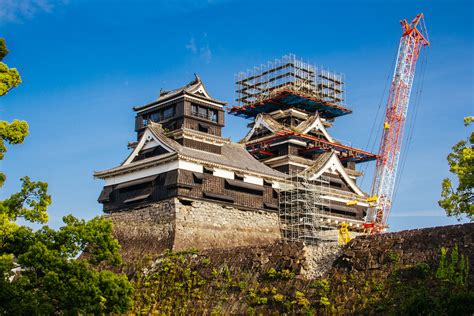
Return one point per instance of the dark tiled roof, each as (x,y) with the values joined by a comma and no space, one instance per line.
(134,165)
(232,155)
(306,123)
(276,126)
(319,162)
(272,123)
(189,88)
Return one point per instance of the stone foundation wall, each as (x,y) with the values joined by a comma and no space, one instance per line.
(378,254)
(375,253)
(319,258)
(204,225)
(172,225)
(145,230)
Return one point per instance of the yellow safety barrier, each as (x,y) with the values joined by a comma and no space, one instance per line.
(344,236)
(352,202)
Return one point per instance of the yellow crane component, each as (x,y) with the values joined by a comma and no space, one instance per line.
(352,202)
(386,125)
(344,236)
(373,198)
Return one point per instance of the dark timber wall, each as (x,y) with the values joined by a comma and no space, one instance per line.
(188,184)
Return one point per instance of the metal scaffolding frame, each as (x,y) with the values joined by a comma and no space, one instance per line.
(289,73)
(301,208)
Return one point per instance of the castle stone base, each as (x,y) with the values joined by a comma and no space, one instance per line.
(170,224)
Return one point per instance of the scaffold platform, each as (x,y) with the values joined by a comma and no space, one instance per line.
(289,83)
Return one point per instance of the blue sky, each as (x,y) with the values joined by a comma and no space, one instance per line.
(85,64)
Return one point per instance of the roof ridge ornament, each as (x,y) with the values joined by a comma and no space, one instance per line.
(196,78)
(163,92)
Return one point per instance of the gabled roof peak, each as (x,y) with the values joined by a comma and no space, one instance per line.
(267,121)
(233,156)
(195,88)
(329,161)
(197,78)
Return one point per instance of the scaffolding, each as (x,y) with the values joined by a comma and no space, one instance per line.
(301,208)
(289,74)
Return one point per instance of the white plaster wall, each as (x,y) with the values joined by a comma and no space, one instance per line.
(222,173)
(191,166)
(150,144)
(155,170)
(253,179)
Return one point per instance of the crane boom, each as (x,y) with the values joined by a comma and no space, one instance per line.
(413,38)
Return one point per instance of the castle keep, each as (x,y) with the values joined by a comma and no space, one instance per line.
(180,153)
(185,185)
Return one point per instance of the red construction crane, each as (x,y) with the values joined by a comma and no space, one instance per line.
(413,39)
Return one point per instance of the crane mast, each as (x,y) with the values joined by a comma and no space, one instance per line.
(413,39)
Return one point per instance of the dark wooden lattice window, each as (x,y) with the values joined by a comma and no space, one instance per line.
(136,190)
(203,128)
(204,112)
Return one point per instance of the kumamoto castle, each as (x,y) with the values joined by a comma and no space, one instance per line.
(184,185)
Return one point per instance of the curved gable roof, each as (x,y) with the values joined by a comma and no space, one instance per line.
(196,88)
(330,162)
(264,120)
(313,122)
(232,155)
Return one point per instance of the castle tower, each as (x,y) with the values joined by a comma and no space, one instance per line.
(189,115)
(184,185)
(292,105)
(180,153)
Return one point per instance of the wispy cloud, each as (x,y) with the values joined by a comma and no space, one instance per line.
(200,47)
(17,11)
(191,45)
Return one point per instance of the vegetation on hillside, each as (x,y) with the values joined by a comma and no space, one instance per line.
(39,270)
(189,283)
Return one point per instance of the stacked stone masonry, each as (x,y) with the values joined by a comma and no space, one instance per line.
(178,226)
(374,254)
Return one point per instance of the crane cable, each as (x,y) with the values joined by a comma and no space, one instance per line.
(376,119)
(412,122)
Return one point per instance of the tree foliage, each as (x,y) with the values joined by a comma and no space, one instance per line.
(51,280)
(459,201)
(16,131)
(9,77)
(40,272)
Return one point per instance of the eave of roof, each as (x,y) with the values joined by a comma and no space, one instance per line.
(184,90)
(141,164)
(233,156)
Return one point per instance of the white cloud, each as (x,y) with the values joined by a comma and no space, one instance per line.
(192,45)
(19,10)
(200,47)
(206,53)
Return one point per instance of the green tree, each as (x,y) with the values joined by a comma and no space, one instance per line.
(9,77)
(458,202)
(16,131)
(40,272)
